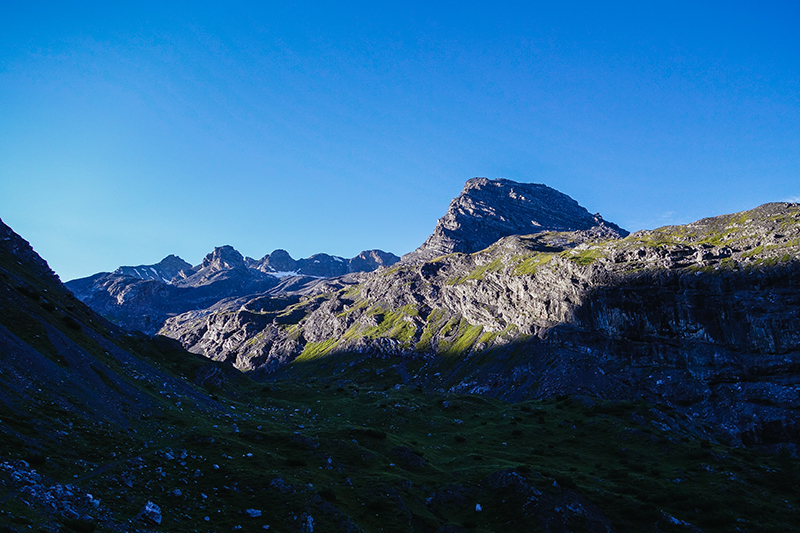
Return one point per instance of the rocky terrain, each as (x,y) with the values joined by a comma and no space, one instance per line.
(487,210)
(281,264)
(143,297)
(702,317)
(164,270)
(105,430)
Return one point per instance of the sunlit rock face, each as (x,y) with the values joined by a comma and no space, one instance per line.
(487,210)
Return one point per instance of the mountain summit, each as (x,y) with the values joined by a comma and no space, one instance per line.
(488,210)
(164,270)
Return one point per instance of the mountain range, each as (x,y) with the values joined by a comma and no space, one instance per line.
(530,367)
(143,297)
(704,317)
(549,298)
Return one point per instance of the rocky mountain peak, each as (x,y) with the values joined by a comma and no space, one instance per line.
(164,270)
(173,261)
(223,258)
(278,261)
(487,210)
(369,260)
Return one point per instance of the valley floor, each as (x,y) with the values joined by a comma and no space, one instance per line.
(340,455)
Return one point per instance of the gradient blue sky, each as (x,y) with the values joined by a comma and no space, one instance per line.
(131,132)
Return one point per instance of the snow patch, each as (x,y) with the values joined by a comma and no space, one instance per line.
(284,274)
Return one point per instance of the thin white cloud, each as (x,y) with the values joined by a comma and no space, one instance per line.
(667,218)
(793,199)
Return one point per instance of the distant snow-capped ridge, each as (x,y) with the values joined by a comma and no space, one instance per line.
(174,270)
(143,297)
(164,270)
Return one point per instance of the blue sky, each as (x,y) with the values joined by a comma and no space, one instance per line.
(131,132)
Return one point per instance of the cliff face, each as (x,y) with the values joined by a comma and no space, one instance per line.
(704,317)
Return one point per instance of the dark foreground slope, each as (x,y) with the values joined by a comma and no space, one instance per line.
(104,431)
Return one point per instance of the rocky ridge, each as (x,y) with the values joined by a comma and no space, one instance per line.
(142,298)
(703,317)
(164,270)
(280,263)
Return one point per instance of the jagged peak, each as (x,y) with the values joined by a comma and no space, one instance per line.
(172,259)
(223,257)
(279,253)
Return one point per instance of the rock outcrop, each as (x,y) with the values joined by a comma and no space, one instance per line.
(487,210)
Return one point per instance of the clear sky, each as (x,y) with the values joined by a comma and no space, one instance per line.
(129,132)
